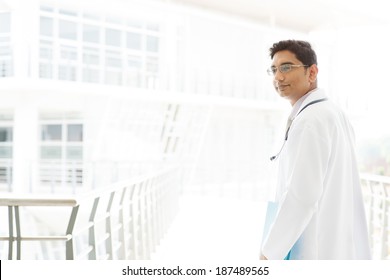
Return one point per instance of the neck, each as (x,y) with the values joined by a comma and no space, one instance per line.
(293,101)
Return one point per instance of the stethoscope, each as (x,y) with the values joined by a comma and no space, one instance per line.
(288,127)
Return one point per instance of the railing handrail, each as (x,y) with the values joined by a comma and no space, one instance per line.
(7,199)
(375,178)
(149,205)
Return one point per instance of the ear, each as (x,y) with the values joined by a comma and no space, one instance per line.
(313,71)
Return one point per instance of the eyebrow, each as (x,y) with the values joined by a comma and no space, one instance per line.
(273,65)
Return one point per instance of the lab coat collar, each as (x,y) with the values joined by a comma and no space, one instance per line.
(313,95)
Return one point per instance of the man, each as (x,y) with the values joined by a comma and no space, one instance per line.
(320,212)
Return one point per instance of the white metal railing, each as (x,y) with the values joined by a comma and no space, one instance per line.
(376,190)
(124,221)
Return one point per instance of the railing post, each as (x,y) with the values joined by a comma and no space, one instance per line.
(10,231)
(69,233)
(141,219)
(109,230)
(122,221)
(133,223)
(92,234)
(18,234)
(386,217)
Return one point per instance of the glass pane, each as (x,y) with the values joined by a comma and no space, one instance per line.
(134,23)
(6,68)
(6,116)
(134,62)
(46,9)
(45,70)
(46,26)
(113,37)
(5,134)
(91,56)
(113,78)
(67,12)
(75,132)
(133,40)
(52,132)
(51,153)
(5,152)
(90,75)
(91,16)
(152,43)
(68,53)
(152,26)
(46,53)
(152,64)
(67,29)
(74,153)
(67,73)
(112,61)
(91,33)
(5,23)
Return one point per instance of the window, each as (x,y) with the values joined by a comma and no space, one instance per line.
(68,53)
(133,40)
(45,70)
(46,52)
(67,29)
(91,63)
(61,149)
(91,33)
(5,23)
(113,37)
(6,149)
(152,43)
(92,48)
(6,134)
(46,26)
(6,54)
(91,75)
(5,140)
(91,56)
(134,71)
(51,132)
(46,59)
(6,68)
(75,133)
(67,70)
(113,68)
(67,12)
(51,152)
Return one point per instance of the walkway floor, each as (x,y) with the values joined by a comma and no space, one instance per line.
(213,229)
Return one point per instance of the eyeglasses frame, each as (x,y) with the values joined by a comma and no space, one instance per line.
(271,71)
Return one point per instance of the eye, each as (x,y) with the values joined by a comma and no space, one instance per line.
(285,68)
(271,70)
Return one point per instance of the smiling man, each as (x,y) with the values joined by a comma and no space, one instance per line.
(319,206)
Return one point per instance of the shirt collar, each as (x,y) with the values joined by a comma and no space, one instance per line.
(298,104)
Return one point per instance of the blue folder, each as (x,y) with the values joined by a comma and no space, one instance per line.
(272,210)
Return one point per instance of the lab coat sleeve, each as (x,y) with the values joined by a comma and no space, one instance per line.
(305,162)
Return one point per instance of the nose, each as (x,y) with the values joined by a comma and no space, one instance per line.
(278,76)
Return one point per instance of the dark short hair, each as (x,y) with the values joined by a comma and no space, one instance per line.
(302,50)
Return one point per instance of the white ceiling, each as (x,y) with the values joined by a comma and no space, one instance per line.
(302,15)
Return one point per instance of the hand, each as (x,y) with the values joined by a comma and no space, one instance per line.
(262,257)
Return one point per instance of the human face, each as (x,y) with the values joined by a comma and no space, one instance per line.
(295,83)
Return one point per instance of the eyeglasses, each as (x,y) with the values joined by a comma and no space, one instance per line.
(284,68)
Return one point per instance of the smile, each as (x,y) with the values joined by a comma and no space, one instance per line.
(281,87)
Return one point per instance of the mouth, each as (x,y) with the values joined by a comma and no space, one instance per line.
(281,87)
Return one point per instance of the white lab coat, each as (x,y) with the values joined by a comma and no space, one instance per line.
(320,207)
